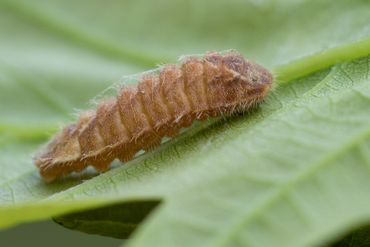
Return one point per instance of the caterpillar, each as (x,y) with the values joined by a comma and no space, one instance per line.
(159,105)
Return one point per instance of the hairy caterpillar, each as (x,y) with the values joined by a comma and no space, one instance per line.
(160,105)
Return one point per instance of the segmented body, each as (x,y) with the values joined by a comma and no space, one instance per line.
(160,105)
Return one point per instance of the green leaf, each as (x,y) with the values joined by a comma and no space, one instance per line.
(296,172)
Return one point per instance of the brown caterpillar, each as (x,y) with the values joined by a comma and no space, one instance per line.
(160,105)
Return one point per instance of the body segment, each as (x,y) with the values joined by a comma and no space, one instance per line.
(160,105)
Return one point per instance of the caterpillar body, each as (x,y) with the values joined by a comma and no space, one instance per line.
(160,105)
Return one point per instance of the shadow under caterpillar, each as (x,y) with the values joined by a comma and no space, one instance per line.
(160,105)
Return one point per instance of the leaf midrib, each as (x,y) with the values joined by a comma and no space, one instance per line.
(322,60)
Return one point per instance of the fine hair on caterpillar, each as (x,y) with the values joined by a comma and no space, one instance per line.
(163,102)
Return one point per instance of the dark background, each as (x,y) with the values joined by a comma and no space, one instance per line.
(48,233)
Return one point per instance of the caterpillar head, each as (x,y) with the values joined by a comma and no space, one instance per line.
(235,81)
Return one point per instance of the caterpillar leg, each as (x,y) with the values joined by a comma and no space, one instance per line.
(127,156)
(174,131)
(152,145)
(102,166)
